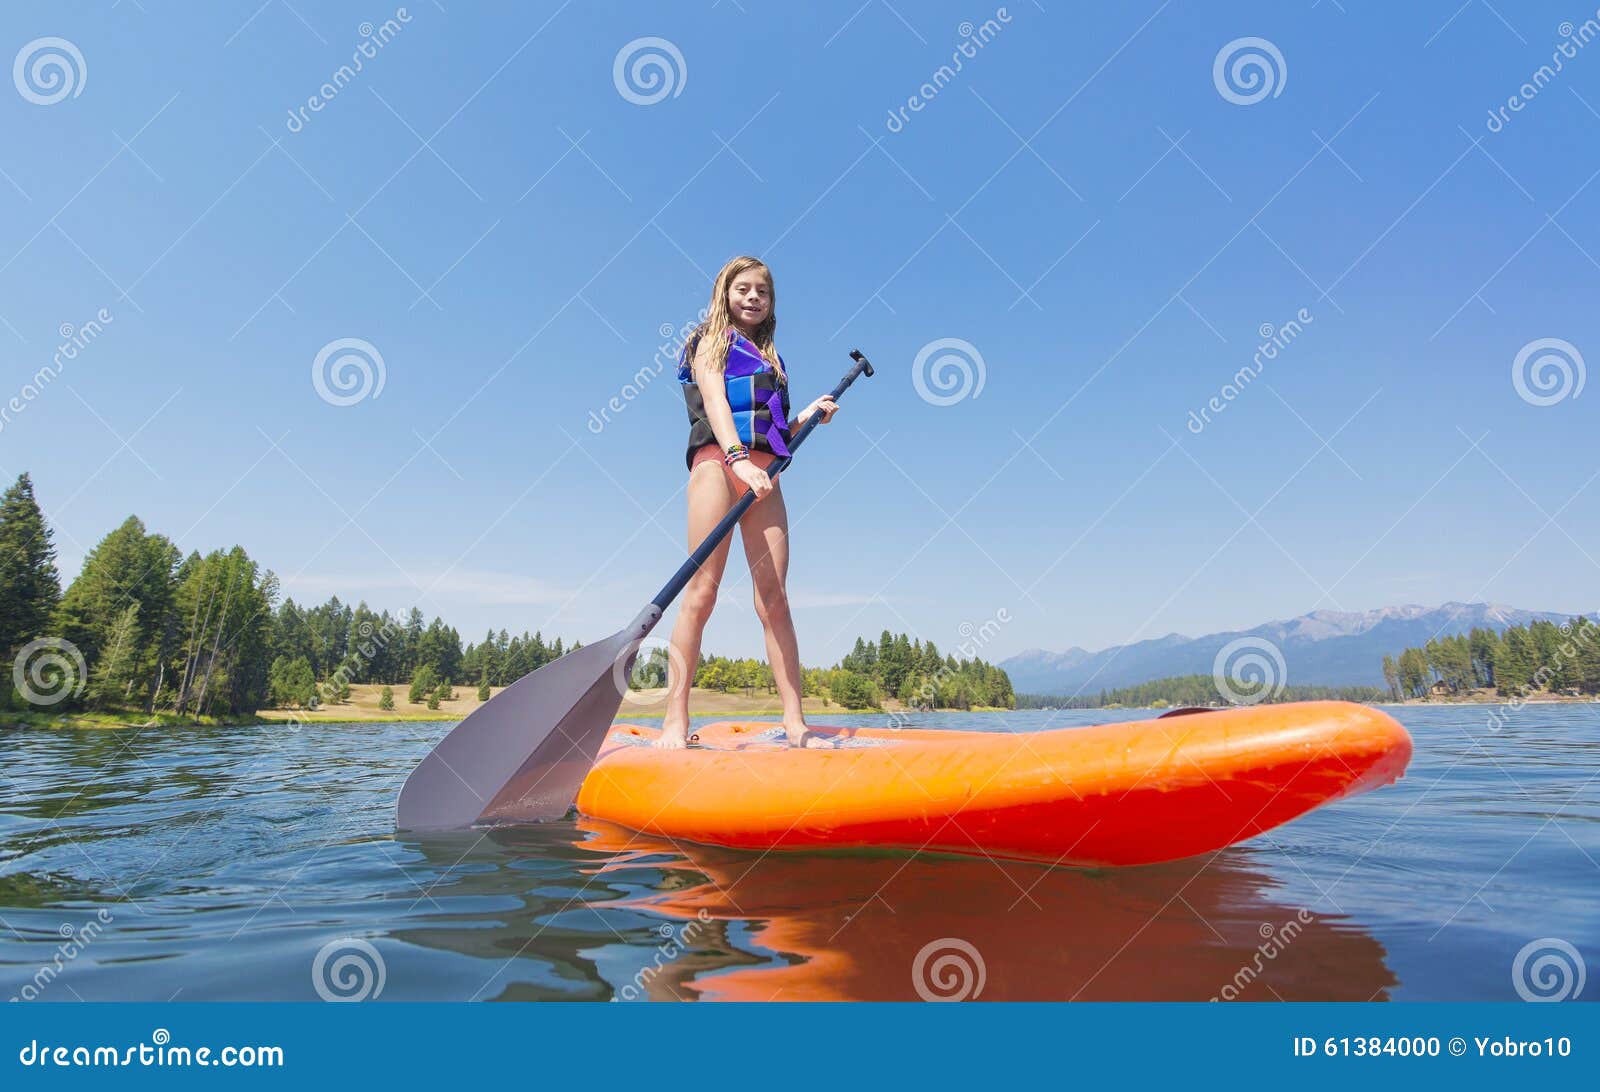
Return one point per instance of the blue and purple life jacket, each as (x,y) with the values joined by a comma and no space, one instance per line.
(758,397)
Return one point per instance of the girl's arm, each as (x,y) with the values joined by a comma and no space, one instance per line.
(714,396)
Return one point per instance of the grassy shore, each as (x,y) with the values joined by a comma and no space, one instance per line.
(17,719)
(363,707)
(639,705)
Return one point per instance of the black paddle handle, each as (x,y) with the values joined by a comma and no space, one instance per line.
(686,571)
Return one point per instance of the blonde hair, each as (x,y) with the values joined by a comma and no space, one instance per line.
(719,322)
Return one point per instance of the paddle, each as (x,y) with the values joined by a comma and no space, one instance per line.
(522,755)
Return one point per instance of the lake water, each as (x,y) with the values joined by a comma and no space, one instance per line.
(261,863)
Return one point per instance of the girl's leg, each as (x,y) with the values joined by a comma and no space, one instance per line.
(765,531)
(710,497)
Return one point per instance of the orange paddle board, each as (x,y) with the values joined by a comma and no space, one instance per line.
(1112,794)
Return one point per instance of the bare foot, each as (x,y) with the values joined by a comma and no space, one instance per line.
(672,738)
(802,737)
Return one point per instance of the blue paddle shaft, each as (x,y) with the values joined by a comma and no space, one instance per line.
(686,571)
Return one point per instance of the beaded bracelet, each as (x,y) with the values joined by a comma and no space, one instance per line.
(735,455)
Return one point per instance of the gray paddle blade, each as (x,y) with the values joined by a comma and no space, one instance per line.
(521,756)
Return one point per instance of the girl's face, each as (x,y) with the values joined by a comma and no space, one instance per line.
(750,299)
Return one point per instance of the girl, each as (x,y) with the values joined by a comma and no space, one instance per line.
(737,394)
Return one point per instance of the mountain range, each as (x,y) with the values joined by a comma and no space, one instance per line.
(1323,648)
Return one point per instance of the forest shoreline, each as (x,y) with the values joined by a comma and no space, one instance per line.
(363,709)
(1491,698)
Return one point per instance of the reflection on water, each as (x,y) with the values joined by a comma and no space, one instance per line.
(226,859)
(850,927)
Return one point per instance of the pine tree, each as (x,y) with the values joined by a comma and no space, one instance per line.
(483,686)
(29,585)
(386,699)
(290,635)
(423,682)
(277,682)
(1413,673)
(503,660)
(293,685)
(415,627)
(113,676)
(1481,644)
(488,657)
(861,657)
(128,565)
(1515,666)
(853,690)
(218,638)
(1586,637)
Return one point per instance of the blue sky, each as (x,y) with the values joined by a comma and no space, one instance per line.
(1083,204)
